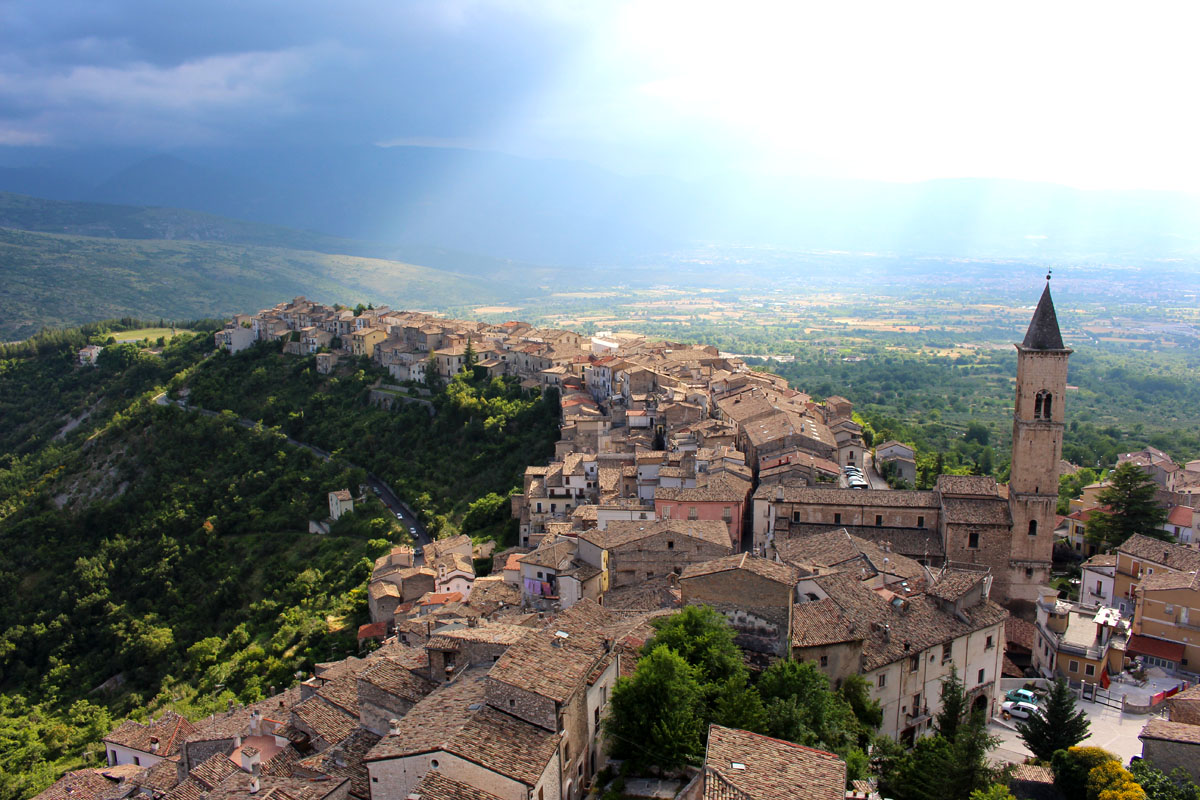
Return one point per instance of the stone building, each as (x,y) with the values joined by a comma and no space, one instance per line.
(630,552)
(755,596)
(964,519)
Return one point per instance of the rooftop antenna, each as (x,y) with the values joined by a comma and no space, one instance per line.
(1048,271)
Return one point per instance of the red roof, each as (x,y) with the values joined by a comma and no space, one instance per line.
(1181,515)
(372,630)
(1158,648)
(444,597)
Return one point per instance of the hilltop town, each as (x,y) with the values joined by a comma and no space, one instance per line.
(681,478)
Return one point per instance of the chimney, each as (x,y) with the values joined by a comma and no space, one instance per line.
(393,727)
(153,744)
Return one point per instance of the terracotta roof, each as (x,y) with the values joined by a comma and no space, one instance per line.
(953,584)
(837,548)
(392,677)
(1171,731)
(436,786)
(1168,580)
(1102,560)
(764,568)
(882,498)
(822,622)
(342,691)
(82,784)
(1175,556)
(326,721)
(160,778)
(915,543)
(1019,632)
(551,556)
(345,760)
(170,730)
(237,786)
(759,767)
(1181,515)
(623,532)
(719,489)
(572,642)
(1158,648)
(648,595)
(373,630)
(436,719)
(213,770)
(967,486)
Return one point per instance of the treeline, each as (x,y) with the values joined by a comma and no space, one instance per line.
(56,340)
(466,458)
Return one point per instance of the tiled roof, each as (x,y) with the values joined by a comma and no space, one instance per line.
(719,489)
(1102,560)
(822,622)
(82,784)
(237,787)
(524,665)
(506,744)
(327,721)
(342,691)
(551,556)
(914,543)
(1019,632)
(764,568)
(623,532)
(432,723)
(1175,556)
(1181,515)
(976,511)
(967,486)
(494,633)
(213,770)
(436,786)
(1158,648)
(392,677)
(1168,580)
(836,548)
(763,768)
(882,498)
(170,730)
(345,760)
(648,595)
(1171,731)
(952,584)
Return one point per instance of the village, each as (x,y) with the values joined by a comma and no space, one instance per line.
(682,477)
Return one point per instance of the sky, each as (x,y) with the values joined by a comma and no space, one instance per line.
(1093,95)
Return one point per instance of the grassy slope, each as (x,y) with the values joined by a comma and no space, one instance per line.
(60,280)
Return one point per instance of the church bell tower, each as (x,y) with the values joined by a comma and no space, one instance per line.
(1036,450)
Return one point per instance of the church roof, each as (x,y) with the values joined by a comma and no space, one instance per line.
(1043,333)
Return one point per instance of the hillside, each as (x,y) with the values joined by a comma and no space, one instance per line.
(164,555)
(62,280)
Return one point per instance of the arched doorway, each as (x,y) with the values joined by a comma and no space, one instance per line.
(980,704)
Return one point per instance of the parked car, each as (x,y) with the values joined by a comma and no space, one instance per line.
(413,531)
(399,515)
(1019,709)
(1021,696)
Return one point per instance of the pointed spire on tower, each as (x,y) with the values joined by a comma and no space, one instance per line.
(1043,333)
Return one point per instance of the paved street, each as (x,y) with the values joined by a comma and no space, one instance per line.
(1111,729)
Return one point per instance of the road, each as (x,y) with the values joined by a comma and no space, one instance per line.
(385,492)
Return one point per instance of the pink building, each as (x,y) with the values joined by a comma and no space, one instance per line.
(722,498)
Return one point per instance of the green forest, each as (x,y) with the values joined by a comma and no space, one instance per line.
(152,556)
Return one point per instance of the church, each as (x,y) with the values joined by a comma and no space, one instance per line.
(963,520)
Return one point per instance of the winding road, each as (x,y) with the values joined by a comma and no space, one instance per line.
(386,494)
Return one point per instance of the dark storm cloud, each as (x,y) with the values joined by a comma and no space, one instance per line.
(162,73)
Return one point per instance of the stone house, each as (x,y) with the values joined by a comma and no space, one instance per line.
(1168,745)
(630,552)
(339,503)
(146,744)
(721,497)
(387,690)
(740,764)
(753,594)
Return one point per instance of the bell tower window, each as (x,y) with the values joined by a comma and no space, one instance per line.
(1042,405)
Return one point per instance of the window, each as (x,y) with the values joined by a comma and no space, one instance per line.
(727,514)
(670,544)
(824,661)
(666,512)
(946,648)
(917,703)
(882,680)
(553,507)
(1149,570)
(973,540)
(1089,669)
(137,762)
(990,644)
(837,519)
(511,703)
(1072,666)
(1033,527)
(795,516)
(1043,404)
(566,750)
(374,779)
(692,514)
(878,520)
(540,575)
(981,674)
(1169,608)
(1029,572)
(920,522)
(914,662)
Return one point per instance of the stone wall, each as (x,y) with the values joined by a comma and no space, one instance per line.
(1169,755)
(658,555)
(377,708)
(532,708)
(757,608)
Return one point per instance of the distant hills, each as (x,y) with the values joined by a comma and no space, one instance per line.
(66,263)
(560,213)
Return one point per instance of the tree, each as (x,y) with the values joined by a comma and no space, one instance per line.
(1111,781)
(1071,768)
(1159,786)
(1061,725)
(1129,507)
(703,638)
(997,791)
(657,715)
(954,705)
(856,691)
(469,357)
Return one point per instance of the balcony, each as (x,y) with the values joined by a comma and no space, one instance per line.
(916,717)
